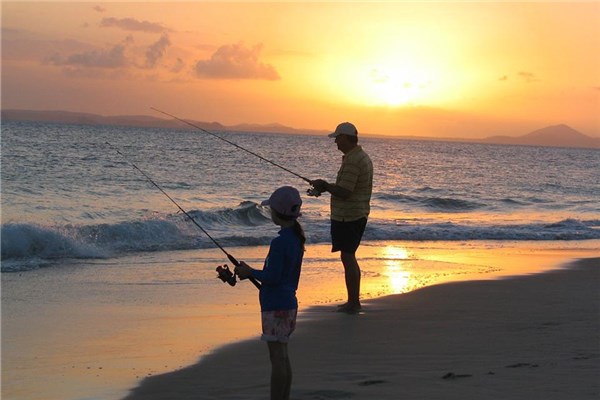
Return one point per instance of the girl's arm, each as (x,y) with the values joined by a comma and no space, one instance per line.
(272,272)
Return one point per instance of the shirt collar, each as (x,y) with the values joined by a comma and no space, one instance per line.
(354,150)
(284,230)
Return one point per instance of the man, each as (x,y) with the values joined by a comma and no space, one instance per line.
(350,206)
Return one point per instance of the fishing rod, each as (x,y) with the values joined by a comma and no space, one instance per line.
(224,273)
(311,191)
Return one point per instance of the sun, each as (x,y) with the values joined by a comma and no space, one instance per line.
(395,86)
(412,79)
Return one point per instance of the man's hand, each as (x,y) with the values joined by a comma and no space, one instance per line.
(335,190)
(320,185)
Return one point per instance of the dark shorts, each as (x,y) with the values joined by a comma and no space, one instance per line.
(346,236)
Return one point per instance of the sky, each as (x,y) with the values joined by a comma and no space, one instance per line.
(445,69)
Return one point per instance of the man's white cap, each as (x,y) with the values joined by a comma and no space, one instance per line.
(345,128)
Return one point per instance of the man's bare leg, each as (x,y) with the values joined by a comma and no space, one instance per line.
(352,276)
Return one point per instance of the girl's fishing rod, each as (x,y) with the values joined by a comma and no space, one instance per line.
(224,274)
(311,191)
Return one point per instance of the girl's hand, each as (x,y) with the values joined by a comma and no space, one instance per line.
(243,270)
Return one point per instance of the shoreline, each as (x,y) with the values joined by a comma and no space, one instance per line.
(529,336)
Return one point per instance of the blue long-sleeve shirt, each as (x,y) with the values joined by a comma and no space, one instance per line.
(281,272)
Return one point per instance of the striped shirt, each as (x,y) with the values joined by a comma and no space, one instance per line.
(355,175)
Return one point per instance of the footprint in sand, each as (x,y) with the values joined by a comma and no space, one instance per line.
(520,365)
(327,394)
(371,382)
(452,375)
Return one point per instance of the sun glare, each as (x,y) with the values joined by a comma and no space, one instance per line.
(399,278)
(387,84)
(395,86)
(396,253)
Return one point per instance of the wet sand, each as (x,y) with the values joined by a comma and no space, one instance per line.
(522,337)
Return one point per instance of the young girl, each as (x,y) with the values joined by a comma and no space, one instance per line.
(279,278)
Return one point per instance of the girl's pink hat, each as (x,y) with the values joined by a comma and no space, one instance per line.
(286,201)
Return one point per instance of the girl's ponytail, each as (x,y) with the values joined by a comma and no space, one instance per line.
(300,233)
(296,227)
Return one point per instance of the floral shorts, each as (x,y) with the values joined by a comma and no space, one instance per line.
(277,326)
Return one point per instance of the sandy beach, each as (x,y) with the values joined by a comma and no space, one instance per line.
(526,337)
(161,326)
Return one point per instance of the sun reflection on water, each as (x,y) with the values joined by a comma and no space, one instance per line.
(399,277)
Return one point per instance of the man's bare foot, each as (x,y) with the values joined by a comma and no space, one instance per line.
(350,308)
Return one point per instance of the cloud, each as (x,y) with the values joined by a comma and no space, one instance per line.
(99,9)
(130,24)
(528,76)
(157,50)
(235,61)
(111,58)
(503,78)
(178,65)
(118,60)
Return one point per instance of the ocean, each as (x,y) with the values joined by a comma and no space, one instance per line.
(105,282)
(68,195)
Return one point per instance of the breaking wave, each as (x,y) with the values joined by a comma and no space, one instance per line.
(27,246)
(36,245)
(446,204)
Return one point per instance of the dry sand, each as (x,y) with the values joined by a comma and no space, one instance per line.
(528,337)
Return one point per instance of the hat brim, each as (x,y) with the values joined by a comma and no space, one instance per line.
(336,134)
(267,203)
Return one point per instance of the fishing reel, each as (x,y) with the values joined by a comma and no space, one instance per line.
(225,274)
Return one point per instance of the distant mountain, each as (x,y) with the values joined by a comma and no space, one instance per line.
(139,121)
(555,136)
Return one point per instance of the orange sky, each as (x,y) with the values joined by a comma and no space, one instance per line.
(466,69)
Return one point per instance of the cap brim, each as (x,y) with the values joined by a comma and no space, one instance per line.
(334,134)
(265,203)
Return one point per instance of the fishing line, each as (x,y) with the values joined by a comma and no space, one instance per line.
(311,191)
(230,278)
